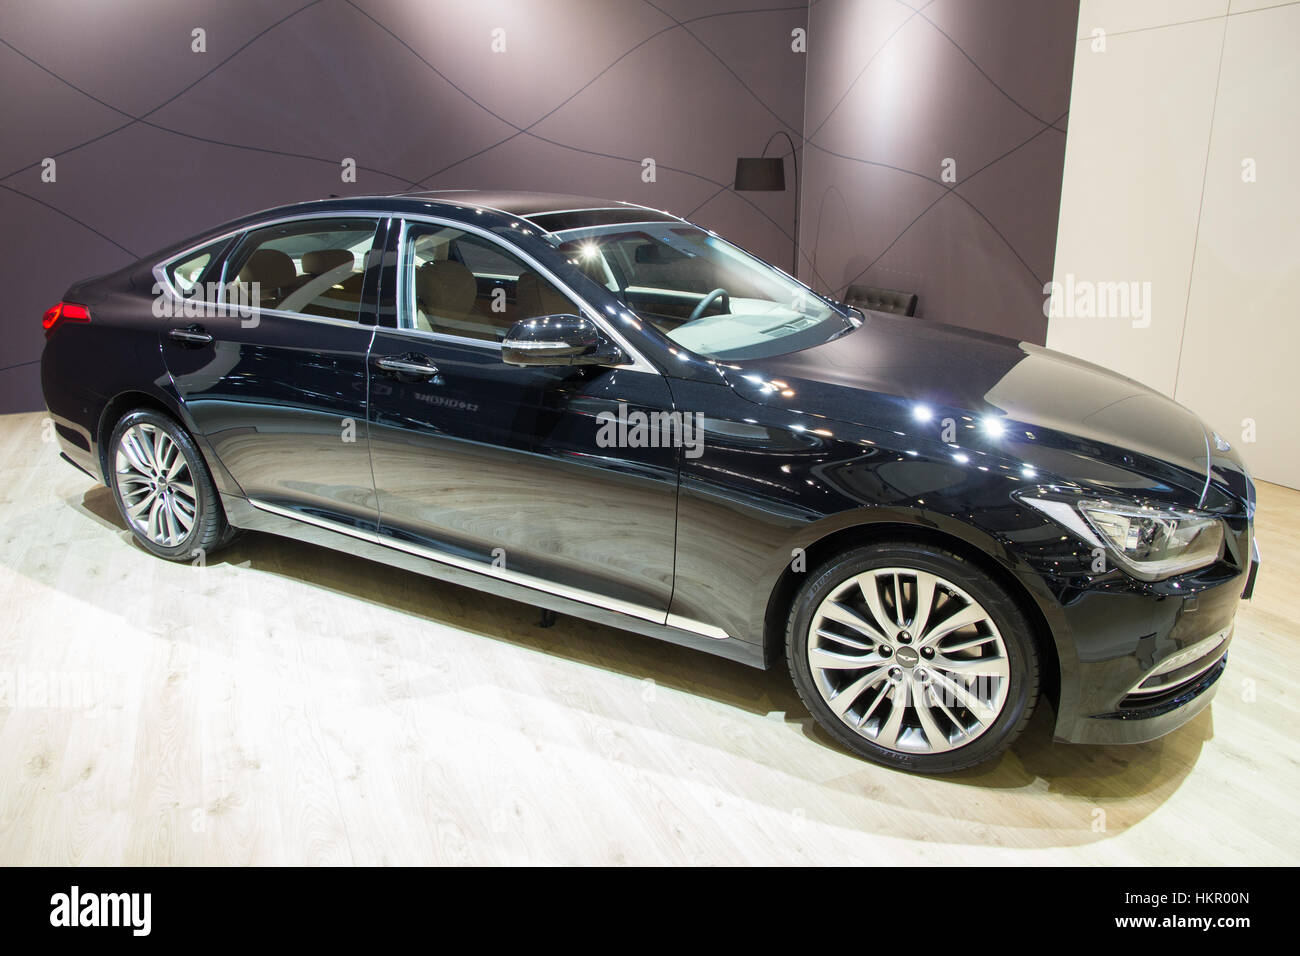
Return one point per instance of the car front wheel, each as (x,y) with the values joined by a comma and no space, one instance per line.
(912,657)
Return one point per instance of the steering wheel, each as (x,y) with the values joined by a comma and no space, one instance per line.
(708,300)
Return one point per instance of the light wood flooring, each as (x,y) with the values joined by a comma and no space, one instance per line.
(293,705)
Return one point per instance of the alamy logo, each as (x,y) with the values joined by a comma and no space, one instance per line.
(208,301)
(102,909)
(1084,299)
(639,429)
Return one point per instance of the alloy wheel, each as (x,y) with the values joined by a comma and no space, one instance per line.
(908,660)
(155,485)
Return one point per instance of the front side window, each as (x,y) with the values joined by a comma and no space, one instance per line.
(311,268)
(463,284)
(702,292)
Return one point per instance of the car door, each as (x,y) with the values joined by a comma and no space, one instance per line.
(273,374)
(498,467)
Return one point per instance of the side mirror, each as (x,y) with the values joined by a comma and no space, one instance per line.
(559,340)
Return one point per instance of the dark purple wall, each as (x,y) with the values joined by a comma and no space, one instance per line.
(154,141)
(894,89)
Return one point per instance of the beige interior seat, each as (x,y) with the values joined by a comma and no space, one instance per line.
(274,273)
(328,286)
(446,292)
(535,296)
(320,261)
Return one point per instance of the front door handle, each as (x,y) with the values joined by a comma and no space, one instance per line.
(408,364)
(191,335)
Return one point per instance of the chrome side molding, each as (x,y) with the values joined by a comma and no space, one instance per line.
(504,574)
(698,627)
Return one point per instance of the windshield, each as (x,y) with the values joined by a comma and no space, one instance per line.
(702,292)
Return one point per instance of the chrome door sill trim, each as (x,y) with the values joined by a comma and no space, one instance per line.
(698,627)
(503,574)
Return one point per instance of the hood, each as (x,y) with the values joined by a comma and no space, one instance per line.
(1061,416)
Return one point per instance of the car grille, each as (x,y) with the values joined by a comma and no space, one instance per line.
(1178,672)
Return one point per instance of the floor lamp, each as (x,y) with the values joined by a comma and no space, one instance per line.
(767,174)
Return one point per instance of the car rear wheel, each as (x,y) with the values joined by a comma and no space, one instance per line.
(163,489)
(912,657)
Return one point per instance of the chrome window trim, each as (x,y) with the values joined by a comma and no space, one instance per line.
(504,574)
(260,311)
(160,278)
(638,362)
(441,337)
(159,268)
(301,317)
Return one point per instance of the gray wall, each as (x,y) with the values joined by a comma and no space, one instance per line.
(154,141)
(894,89)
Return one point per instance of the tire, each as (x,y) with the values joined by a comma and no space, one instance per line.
(156,502)
(967,684)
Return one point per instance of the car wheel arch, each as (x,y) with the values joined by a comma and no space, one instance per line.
(118,406)
(160,401)
(822,548)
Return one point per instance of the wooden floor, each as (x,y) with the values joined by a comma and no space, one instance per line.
(288,705)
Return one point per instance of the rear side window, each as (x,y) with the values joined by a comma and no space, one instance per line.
(313,267)
(184,274)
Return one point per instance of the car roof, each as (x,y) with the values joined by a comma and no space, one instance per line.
(548,212)
(526,204)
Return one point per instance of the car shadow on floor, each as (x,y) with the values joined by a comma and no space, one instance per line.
(1099,790)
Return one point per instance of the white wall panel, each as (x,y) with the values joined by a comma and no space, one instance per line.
(1116,16)
(1160,125)
(1242,340)
(1134,166)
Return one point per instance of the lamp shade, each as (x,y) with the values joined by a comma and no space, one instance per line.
(760,174)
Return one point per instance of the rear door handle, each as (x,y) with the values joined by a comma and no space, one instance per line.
(191,335)
(408,364)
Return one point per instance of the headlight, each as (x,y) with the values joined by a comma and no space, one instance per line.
(1151,542)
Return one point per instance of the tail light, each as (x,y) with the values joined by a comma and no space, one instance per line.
(64,312)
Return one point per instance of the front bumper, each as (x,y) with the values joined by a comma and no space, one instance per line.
(1254,570)
(1150,656)
(1144,720)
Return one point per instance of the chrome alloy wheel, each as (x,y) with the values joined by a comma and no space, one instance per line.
(908,660)
(155,485)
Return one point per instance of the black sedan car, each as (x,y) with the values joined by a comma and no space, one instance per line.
(604,410)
